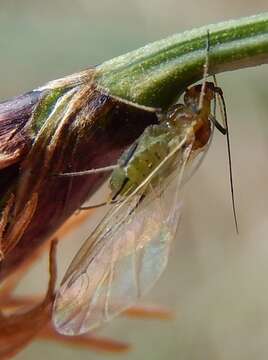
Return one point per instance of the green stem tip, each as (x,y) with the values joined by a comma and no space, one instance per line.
(156,74)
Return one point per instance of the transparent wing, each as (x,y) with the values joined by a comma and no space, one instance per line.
(124,256)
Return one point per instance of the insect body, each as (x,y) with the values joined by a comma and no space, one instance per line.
(158,141)
(128,250)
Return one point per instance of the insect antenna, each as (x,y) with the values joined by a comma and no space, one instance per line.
(202,92)
(205,73)
(223,129)
(223,111)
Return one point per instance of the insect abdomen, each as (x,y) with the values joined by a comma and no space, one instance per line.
(152,148)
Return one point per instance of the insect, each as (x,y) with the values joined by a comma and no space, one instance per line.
(127,252)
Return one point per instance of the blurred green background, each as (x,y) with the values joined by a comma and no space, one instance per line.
(216,282)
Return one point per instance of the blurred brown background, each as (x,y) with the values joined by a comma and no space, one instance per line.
(216,281)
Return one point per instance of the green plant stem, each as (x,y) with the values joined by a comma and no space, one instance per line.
(158,73)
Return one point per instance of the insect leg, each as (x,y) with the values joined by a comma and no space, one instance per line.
(104,169)
(218,125)
(149,311)
(99,205)
(91,171)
